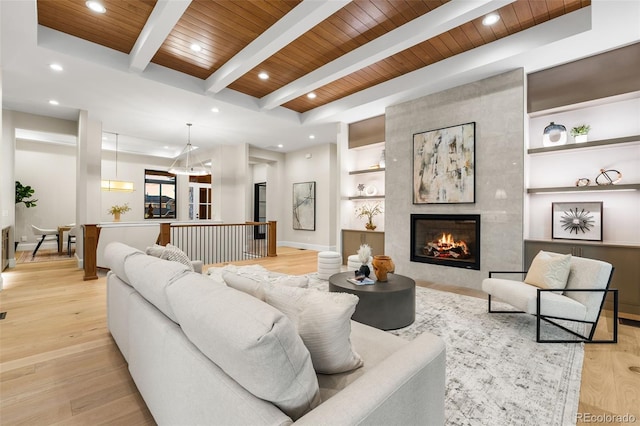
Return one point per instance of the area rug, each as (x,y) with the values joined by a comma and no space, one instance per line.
(496,372)
(43,255)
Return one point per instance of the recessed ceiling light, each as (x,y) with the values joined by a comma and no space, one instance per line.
(56,67)
(280,145)
(215,109)
(166,147)
(263,76)
(312,136)
(491,19)
(96,6)
(311,95)
(196,47)
(54,102)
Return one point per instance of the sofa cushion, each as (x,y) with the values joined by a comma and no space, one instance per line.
(151,276)
(323,320)
(251,341)
(115,255)
(549,270)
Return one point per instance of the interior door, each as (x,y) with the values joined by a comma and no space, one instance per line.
(260,208)
(199,201)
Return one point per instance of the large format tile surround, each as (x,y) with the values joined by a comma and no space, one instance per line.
(496,105)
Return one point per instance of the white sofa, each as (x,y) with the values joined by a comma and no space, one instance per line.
(171,324)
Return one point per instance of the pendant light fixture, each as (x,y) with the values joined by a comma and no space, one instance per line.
(192,165)
(116,185)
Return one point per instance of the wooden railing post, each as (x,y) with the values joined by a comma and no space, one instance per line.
(272,238)
(90,258)
(165,234)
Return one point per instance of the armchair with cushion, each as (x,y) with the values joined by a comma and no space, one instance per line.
(558,288)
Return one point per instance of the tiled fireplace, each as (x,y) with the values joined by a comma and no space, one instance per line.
(446,239)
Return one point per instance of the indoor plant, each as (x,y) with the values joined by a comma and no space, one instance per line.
(369,211)
(580,133)
(117,210)
(23,195)
(24,192)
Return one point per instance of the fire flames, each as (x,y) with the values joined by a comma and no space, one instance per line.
(447,247)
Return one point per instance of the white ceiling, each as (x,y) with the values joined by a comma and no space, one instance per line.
(150,108)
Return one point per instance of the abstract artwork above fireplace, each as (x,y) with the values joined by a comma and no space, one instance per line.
(444,165)
(446,239)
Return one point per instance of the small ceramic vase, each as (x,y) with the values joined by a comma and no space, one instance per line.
(382,265)
(364,270)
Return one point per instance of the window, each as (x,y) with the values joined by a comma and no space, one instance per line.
(159,194)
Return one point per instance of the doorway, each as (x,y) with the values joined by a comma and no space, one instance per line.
(260,209)
(200,197)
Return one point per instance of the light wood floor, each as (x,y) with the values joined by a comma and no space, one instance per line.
(59,365)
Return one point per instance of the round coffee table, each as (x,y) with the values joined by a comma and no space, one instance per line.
(385,305)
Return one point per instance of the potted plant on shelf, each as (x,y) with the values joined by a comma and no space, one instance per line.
(117,210)
(580,133)
(369,211)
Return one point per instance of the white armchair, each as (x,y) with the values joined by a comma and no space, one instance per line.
(558,287)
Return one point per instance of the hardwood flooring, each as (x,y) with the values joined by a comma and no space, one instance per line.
(59,365)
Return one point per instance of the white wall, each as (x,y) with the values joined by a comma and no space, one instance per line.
(35,164)
(131,168)
(321,168)
(51,170)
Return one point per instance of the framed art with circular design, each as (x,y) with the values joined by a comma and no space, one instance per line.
(580,220)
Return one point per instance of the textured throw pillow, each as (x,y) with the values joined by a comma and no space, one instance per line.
(323,320)
(174,254)
(549,270)
(290,280)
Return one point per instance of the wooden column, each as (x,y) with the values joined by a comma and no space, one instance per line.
(165,234)
(272,239)
(91,236)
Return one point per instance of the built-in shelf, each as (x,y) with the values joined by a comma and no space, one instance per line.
(371,170)
(624,187)
(367,197)
(590,144)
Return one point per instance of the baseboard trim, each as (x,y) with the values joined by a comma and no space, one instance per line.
(296,244)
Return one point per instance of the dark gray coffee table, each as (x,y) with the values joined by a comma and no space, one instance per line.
(385,305)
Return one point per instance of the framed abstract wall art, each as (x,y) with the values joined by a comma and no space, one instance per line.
(304,206)
(444,165)
(577,221)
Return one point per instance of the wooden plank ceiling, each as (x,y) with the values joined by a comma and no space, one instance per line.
(224,27)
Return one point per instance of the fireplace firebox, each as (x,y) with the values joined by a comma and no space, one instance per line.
(446,239)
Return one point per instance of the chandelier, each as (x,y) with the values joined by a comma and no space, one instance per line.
(192,165)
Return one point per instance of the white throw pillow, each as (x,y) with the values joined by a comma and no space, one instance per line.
(174,254)
(254,343)
(247,284)
(156,250)
(323,320)
(301,281)
(549,270)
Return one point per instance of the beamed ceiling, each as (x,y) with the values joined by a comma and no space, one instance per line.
(333,49)
(132,68)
